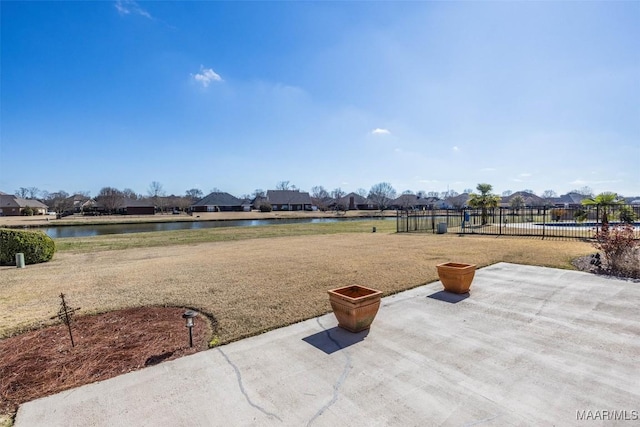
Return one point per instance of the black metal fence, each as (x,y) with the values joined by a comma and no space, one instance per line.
(538,221)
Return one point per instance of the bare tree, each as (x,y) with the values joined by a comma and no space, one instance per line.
(506,193)
(584,191)
(448,193)
(157,193)
(319,192)
(111,198)
(528,190)
(467,191)
(548,196)
(128,193)
(258,192)
(284,185)
(382,194)
(433,194)
(22,192)
(59,201)
(194,194)
(156,190)
(405,192)
(338,193)
(182,203)
(33,192)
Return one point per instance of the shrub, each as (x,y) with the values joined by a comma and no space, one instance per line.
(620,249)
(265,207)
(580,215)
(35,245)
(557,214)
(28,211)
(627,214)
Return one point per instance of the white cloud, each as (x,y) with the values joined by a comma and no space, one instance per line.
(488,170)
(127,7)
(379,131)
(206,76)
(525,175)
(455,148)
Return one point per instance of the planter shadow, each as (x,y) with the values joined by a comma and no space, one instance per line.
(335,339)
(449,297)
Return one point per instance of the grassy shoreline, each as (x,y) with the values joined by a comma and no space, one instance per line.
(210,235)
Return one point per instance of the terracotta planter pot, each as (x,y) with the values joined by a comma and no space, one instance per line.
(355,306)
(456,277)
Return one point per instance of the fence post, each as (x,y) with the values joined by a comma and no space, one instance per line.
(500,232)
(544,221)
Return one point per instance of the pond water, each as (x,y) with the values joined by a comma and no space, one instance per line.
(102,229)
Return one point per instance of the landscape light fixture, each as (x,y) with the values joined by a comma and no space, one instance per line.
(189,316)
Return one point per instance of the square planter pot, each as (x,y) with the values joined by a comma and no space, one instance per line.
(456,277)
(355,306)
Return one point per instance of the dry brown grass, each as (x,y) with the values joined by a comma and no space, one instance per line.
(252,285)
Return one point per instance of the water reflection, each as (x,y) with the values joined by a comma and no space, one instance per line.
(102,229)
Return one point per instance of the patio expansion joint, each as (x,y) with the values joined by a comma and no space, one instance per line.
(242,389)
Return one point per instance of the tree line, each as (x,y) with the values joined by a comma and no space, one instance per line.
(381,194)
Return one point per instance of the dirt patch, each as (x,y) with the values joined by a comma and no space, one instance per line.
(43,362)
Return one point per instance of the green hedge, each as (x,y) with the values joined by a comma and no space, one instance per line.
(35,245)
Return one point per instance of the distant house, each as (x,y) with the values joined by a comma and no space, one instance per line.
(219,202)
(289,200)
(412,202)
(569,200)
(353,201)
(324,203)
(529,199)
(123,206)
(458,202)
(137,207)
(81,203)
(13,206)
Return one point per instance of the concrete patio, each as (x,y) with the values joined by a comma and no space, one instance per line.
(528,346)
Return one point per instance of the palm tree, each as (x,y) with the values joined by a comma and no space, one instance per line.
(484,200)
(605,201)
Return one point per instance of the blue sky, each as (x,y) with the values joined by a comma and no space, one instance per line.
(242,95)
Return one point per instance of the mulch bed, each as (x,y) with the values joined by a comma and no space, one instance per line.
(43,362)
